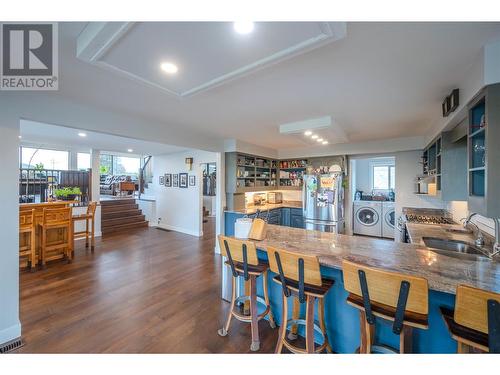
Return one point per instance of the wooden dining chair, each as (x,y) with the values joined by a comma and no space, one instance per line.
(56,234)
(89,232)
(395,297)
(27,238)
(475,322)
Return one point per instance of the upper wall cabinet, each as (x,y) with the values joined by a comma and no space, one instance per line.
(445,166)
(483,142)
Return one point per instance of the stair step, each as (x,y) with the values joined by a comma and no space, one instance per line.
(128,226)
(119,207)
(121,220)
(120,214)
(113,202)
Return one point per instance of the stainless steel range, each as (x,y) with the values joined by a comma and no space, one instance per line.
(426,219)
(422,216)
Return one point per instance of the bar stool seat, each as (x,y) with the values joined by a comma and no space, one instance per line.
(475,322)
(244,263)
(300,278)
(252,269)
(314,290)
(389,313)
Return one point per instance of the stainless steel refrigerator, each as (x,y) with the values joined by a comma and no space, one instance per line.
(323,202)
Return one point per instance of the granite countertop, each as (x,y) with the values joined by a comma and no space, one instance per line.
(266,207)
(443,273)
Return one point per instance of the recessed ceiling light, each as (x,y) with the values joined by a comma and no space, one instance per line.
(130,150)
(320,139)
(169,67)
(81,134)
(308,132)
(243,27)
(19,136)
(314,136)
(325,142)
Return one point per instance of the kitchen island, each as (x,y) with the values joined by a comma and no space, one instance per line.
(443,273)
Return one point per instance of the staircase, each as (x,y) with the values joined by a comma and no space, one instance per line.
(121,214)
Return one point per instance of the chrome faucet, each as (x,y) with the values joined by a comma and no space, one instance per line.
(479,241)
(496,246)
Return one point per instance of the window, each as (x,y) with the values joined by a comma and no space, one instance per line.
(126,165)
(82,161)
(383,177)
(44,159)
(106,164)
(119,165)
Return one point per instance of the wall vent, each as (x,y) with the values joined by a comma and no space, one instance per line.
(9,346)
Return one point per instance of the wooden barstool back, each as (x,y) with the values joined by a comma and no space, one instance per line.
(400,298)
(56,234)
(242,259)
(475,323)
(89,232)
(300,277)
(27,240)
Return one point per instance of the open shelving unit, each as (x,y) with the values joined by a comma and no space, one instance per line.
(291,173)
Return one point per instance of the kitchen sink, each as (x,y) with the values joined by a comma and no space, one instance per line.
(453,246)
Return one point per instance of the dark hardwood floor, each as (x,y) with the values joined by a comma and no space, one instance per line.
(145,291)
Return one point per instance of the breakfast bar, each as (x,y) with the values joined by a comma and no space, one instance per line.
(443,273)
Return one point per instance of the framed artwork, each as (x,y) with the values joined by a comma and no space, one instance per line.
(175,180)
(183,180)
(192,180)
(162,180)
(168,179)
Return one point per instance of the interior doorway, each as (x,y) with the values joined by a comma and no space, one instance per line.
(209,196)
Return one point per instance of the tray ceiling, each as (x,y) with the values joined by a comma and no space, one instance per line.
(208,54)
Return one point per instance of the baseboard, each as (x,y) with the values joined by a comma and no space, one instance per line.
(10,333)
(180,230)
(96,234)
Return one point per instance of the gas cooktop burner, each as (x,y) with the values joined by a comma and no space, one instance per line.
(421,219)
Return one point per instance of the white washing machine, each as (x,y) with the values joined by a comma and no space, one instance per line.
(368,218)
(388,219)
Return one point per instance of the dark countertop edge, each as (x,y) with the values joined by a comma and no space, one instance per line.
(266,207)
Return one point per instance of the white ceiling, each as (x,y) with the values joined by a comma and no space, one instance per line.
(47,135)
(207,53)
(381,81)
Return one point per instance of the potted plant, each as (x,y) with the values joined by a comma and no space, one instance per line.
(68,193)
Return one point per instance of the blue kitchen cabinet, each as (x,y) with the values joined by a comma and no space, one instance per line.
(285,217)
(296,218)
(275,216)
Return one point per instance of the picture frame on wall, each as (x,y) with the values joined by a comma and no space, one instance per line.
(175,180)
(183,180)
(192,180)
(168,179)
(162,180)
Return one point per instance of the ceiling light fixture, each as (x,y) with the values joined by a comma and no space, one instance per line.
(308,132)
(169,68)
(243,27)
(325,142)
(320,139)
(82,134)
(19,136)
(314,136)
(130,150)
